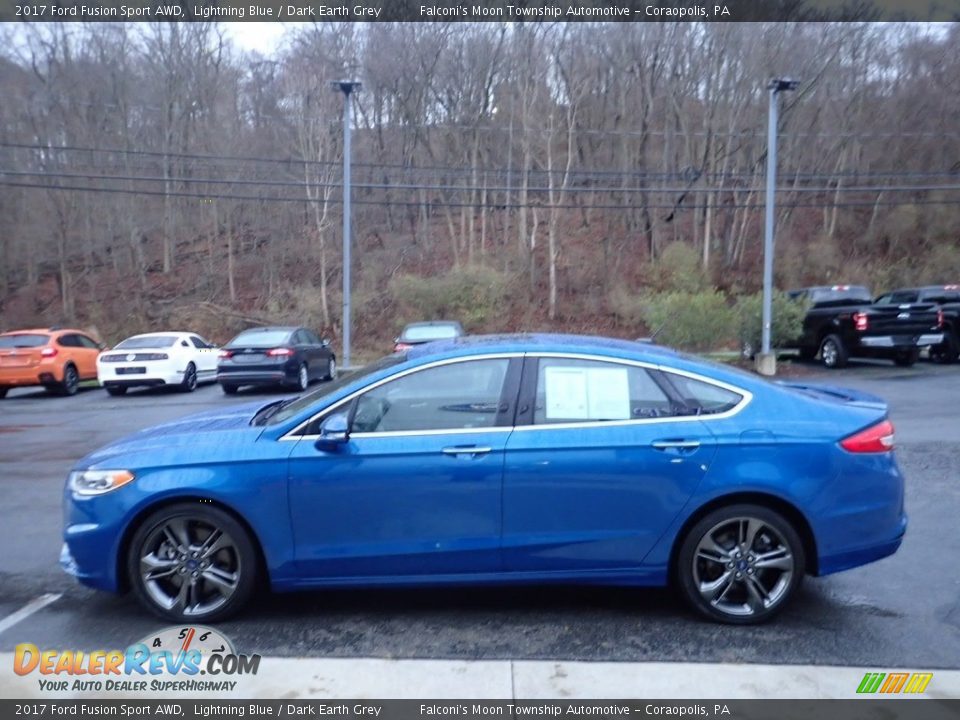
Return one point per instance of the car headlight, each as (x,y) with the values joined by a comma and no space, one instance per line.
(97,482)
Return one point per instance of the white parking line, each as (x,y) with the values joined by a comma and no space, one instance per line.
(29,609)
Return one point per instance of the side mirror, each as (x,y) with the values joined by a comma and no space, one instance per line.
(325,342)
(334,432)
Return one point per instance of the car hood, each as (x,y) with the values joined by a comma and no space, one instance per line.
(216,428)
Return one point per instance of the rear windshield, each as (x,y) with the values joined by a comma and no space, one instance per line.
(23,341)
(260,338)
(147,341)
(420,333)
(822,296)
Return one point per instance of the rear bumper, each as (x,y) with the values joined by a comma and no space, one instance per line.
(154,374)
(255,377)
(905,342)
(26,376)
(862,555)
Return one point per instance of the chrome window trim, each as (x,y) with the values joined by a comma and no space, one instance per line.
(746,395)
(292,435)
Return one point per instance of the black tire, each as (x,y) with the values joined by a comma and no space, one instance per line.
(833,353)
(948,351)
(189,382)
(236,561)
(116,389)
(71,381)
(732,600)
(303,378)
(331,369)
(906,358)
(228,389)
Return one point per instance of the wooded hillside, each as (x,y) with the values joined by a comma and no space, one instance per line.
(515,177)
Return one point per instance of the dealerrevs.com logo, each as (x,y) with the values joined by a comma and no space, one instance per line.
(172,660)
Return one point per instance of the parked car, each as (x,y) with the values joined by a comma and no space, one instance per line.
(58,359)
(948,298)
(425,332)
(844,322)
(284,356)
(178,359)
(542,458)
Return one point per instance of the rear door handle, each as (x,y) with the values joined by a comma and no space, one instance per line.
(467,450)
(676,444)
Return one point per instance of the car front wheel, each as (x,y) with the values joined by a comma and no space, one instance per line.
(190,562)
(740,564)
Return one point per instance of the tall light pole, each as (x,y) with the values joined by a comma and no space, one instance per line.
(347,87)
(767,364)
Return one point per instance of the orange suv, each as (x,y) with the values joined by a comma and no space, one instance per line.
(55,358)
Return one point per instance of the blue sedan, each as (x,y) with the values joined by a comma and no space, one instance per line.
(505,459)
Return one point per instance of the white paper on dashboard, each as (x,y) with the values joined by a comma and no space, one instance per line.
(566,393)
(608,394)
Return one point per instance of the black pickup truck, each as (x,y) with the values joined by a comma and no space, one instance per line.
(948,298)
(844,322)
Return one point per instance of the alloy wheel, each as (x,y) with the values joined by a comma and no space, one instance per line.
(70,380)
(190,378)
(829,353)
(190,566)
(743,566)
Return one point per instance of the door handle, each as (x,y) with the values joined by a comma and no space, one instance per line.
(676,444)
(466,450)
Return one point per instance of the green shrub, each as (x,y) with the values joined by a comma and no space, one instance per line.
(679,269)
(787,319)
(690,321)
(473,295)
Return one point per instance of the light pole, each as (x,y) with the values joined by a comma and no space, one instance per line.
(347,87)
(767,363)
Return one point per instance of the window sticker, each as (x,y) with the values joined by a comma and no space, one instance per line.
(577,393)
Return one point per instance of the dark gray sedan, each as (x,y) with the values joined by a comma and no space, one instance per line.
(284,356)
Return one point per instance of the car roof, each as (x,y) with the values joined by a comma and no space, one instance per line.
(44,331)
(540,342)
(273,328)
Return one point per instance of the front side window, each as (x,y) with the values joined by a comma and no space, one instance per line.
(570,390)
(456,396)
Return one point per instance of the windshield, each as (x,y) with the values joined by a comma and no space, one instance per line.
(421,333)
(305,401)
(23,341)
(147,341)
(260,338)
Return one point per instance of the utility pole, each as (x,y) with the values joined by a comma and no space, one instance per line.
(347,87)
(766,360)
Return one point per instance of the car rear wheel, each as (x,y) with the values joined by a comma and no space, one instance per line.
(189,562)
(303,377)
(116,389)
(833,353)
(228,389)
(71,381)
(948,351)
(740,564)
(189,383)
(906,358)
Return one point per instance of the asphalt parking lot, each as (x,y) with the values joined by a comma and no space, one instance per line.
(902,611)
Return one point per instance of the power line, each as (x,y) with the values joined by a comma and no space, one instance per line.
(511,189)
(477,206)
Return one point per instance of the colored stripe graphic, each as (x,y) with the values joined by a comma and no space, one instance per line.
(918,682)
(894,682)
(870,682)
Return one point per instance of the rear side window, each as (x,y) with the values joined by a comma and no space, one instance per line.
(570,390)
(69,341)
(707,398)
(26,340)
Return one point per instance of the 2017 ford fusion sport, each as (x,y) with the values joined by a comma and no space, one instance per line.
(508,459)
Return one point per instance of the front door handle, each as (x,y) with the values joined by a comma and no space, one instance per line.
(676,444)
(467,450)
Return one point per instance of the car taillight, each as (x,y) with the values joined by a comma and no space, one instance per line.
(860,321)
(224,354)
(280,352)
(875,439)
(49,352)
(400,347)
